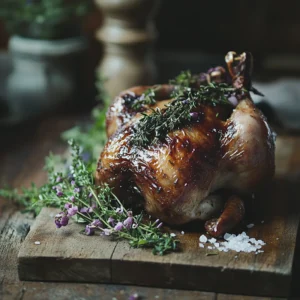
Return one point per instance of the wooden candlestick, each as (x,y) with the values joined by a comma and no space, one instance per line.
(128,34)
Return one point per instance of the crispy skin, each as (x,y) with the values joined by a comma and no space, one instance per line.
(172,178)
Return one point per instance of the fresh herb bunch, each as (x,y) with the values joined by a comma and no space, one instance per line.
(155,126)
(76,194)
(43,19)
(102,210)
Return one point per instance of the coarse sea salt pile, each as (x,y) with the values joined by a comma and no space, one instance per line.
(239,243)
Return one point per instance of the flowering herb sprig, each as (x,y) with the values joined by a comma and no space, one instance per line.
(102,211)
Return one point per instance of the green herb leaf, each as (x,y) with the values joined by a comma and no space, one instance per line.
(155,126)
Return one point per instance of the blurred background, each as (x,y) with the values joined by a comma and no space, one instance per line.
(51,51)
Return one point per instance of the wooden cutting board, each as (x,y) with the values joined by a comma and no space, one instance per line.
(66,255)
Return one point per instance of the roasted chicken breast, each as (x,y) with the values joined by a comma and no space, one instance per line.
(178,177)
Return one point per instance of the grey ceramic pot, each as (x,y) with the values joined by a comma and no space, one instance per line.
(44,74)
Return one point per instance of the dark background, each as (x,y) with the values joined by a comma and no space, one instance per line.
(263,27)
(197,34)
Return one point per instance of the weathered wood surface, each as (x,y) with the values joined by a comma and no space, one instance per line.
(21,159)
(65,255)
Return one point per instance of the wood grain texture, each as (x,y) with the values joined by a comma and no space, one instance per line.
(270,272)
(64,253)
(21,160)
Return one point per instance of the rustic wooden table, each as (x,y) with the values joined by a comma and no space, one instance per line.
(22,153)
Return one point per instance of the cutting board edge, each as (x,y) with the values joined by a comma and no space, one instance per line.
(280,283)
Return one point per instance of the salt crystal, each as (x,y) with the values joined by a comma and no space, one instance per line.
(201,245)
(227,236)
(182,232)
(37,243)
(172,234)
(250,226)
(217,245)
(212,240)
(236,256)
(203,238)
(209,247)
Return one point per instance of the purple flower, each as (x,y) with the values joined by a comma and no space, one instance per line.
(72,211)
(59,193)
(68,205)
(159,225)
(72,198)
(86,210)
(97,223)
(185,101)
(64,221)
(111,221)
(73,182)
(233,100)
(90,195)
(58,179)
(119,226)
(128,222)
(57,223)
(202,77)
(61,220)
(89,230)
(194,116)
(77,190)
(156,221)
(54,187)
(106,231)
(129,213)
(86,156)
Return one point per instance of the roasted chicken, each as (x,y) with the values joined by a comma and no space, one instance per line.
(220,149)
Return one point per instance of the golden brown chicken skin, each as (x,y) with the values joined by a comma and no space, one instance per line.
(178,178)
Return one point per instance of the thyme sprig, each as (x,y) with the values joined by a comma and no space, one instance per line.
(147,98)
(155,126)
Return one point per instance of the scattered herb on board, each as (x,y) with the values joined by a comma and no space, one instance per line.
(101,210)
